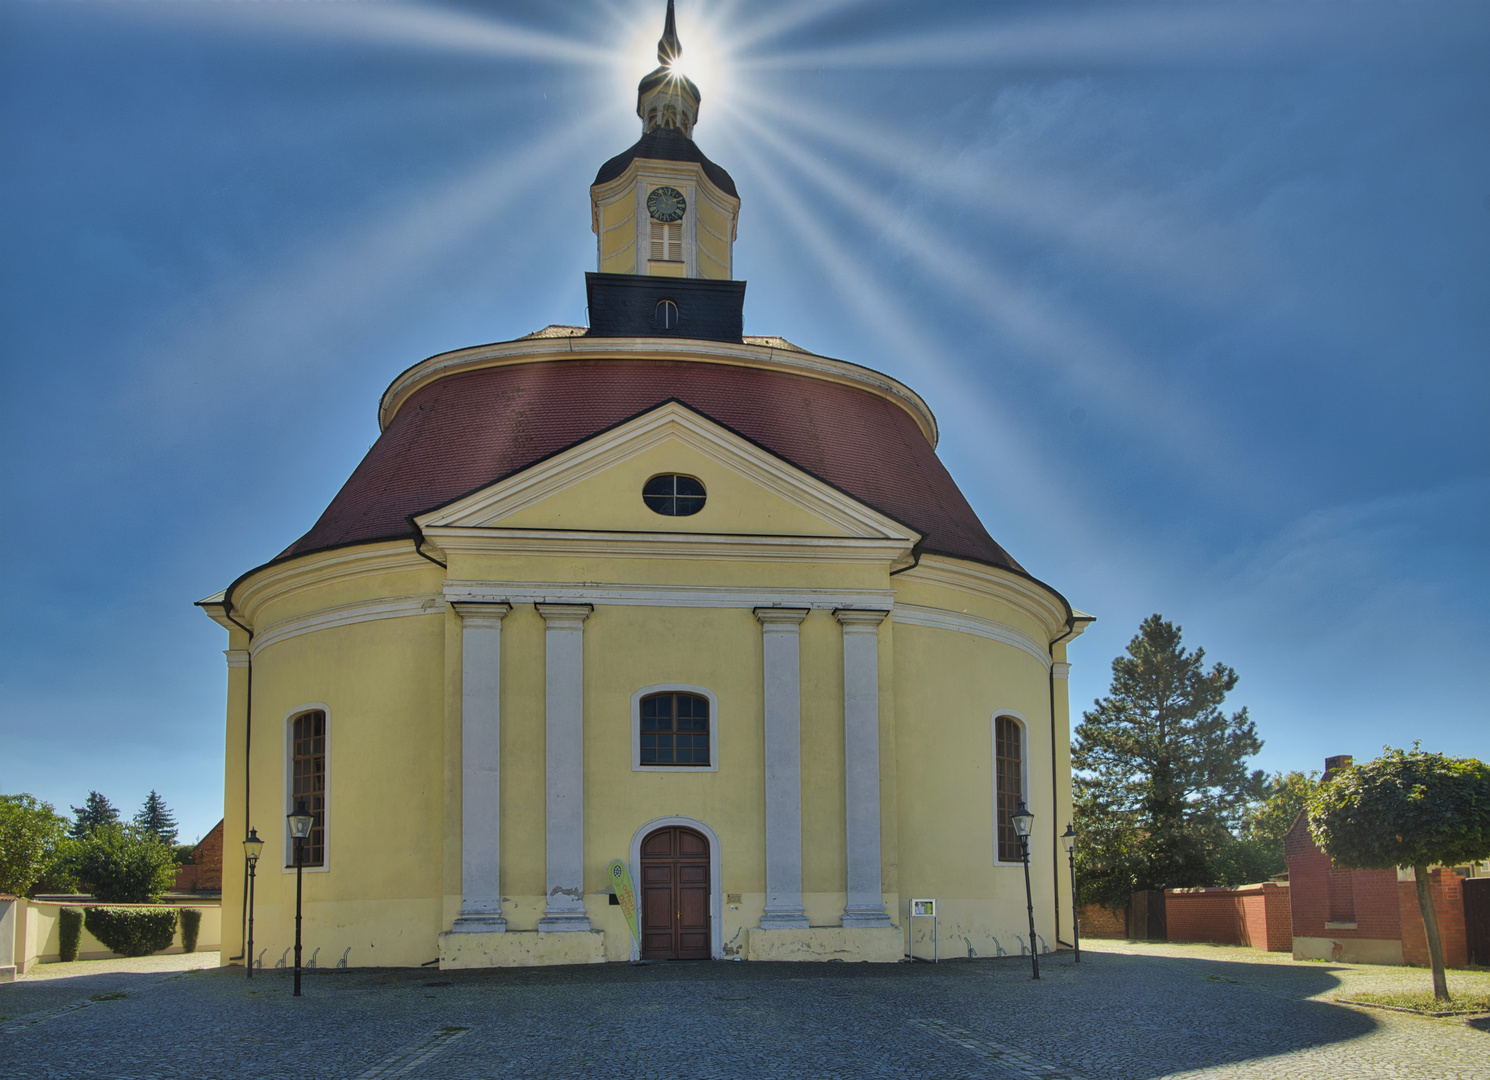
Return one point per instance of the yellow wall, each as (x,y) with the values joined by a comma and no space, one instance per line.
(392,690)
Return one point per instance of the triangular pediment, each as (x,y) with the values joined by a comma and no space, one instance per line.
(596,486)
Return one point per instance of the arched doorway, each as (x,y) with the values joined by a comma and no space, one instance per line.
(675,895)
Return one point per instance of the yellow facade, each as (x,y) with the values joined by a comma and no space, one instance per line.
(369,634)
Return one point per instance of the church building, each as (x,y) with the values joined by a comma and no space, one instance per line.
(657,591)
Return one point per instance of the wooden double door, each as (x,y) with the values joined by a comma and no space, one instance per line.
(675,895)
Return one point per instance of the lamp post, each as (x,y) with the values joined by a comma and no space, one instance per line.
(1023,819)
(1069,839)
(300,822)
(252,848)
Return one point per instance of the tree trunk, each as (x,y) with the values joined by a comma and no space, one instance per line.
(1430,927)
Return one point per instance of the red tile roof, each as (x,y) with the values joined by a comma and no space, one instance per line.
(468,430)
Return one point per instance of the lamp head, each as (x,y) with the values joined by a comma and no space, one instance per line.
(253,846)
(1068,839)
(1022,819)
(300,820)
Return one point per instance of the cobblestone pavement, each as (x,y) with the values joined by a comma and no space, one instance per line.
(1127,1011)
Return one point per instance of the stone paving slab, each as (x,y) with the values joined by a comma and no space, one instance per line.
(1127,1012)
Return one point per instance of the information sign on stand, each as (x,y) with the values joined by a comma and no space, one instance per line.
(924,909)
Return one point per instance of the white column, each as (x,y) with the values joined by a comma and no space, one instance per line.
(783,686)
(861,767)
(564,776)
(481,768)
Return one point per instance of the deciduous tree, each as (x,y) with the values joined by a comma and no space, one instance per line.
(1407,808)
(126,864)
(32,836)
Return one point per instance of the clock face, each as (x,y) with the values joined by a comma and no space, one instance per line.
(667,204)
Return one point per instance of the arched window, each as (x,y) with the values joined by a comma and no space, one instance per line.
(667,315)
(1008,757)
(674,496)
(675,731)
(307,768)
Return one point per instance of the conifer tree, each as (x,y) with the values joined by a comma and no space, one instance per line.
(155,818)
(1160,764)
(95,811)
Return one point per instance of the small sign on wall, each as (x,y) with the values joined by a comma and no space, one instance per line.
(923,909)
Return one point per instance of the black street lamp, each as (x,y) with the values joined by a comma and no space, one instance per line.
(1023,819)
(300,822)
(1069,839)
(252,848)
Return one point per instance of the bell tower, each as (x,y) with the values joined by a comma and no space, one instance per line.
(662,209)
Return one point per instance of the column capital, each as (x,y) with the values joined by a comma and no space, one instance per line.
(860,618)
(1060,671)
(565,616)
(237,657)
(481,613)
(781,619)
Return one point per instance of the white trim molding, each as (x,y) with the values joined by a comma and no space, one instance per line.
(288,754)
(397,607)
(1028,597)
(278,581)
(1024,771)
(540,350)
(636,728)
(716,878)
(957,622)
(237,657)
(1060,671)
(683,596)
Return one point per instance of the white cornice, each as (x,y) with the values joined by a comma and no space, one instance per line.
(957,622)
(277,581)
(1025,595)
(1061,671)
(686,546)
(672,422)
(397,607)
(689,596)
(543,350)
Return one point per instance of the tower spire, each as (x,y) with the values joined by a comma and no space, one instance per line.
(667,99)
(669,48)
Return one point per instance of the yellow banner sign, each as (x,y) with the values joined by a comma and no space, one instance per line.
(620,879)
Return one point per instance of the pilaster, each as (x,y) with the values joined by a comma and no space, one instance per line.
(782,672)
(861,759)
(564,773)
(481,767)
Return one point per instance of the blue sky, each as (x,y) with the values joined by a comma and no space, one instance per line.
(1199,292)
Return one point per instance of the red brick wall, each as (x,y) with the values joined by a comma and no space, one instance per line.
(1101,922)
(204,873)
(1256,915)
(1448,903)
(1377,910)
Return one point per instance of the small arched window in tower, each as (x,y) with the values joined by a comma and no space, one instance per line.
(674,496)
(666,317)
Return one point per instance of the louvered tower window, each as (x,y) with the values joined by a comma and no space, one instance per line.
(667,241)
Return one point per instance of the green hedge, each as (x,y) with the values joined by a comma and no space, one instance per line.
(70,930)
(133,931)
(191,926)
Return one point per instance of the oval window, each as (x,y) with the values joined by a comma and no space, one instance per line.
(674,496)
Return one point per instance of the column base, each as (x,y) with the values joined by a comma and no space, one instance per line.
(479,924)
(791,919)
(819,943)
(866,919)
(564,923)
